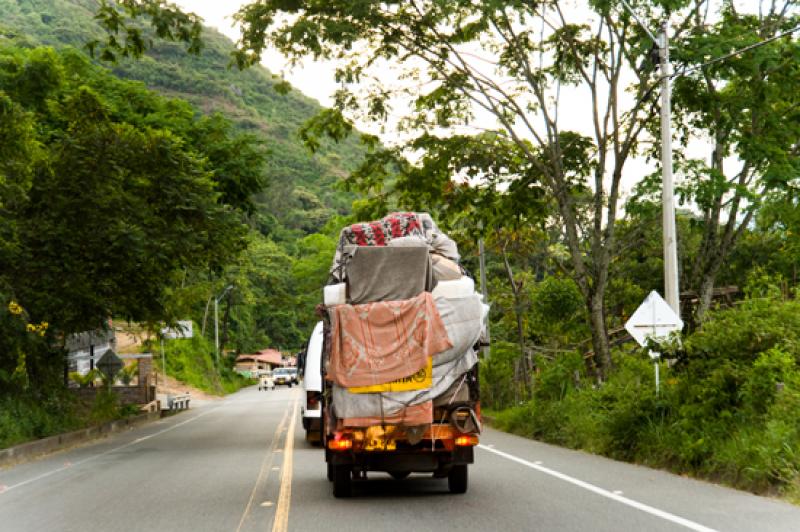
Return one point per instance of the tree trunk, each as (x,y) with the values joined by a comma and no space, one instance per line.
(523,374)
(602,351)
(225,316)
(706,295)
(205,317)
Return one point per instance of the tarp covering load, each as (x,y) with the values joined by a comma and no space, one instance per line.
(405,323)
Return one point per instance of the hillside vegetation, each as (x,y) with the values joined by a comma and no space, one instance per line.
(302,196)
(142,192)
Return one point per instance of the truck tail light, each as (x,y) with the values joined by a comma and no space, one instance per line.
(340,444)
(312,400)
(467,440)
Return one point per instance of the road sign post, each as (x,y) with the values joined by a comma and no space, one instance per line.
(653,320)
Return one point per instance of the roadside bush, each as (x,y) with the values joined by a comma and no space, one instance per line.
(26,417)
(729,409)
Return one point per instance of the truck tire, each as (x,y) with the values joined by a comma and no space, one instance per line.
(330,472)
(458,479)
(399,475)
(342,481)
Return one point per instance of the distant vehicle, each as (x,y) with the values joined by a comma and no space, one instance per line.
(266,382)
(312,383)
(295,378)
(283,376)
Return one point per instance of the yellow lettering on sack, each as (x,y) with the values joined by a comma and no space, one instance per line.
(418,381)
(379,438)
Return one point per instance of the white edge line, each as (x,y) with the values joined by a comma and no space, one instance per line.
(81,462)
(605,493)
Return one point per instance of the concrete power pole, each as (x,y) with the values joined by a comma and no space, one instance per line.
(671,287)
(485,291)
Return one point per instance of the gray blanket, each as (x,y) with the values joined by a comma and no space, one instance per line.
(388,274)
(349,404)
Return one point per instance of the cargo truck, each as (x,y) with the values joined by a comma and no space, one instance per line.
(424,422)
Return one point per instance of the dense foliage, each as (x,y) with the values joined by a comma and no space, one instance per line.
(727,407)
(118,202)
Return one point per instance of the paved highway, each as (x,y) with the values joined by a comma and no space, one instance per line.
(229,466)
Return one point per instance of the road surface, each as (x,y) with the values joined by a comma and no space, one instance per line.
(228,466)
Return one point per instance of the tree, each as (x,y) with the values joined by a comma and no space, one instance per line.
(748,109)
(507,60)
(517,63)
(110,195)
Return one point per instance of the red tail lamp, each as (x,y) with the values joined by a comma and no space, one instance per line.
(467,440)
(342,444)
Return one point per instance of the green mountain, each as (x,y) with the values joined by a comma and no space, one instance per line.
(301,196)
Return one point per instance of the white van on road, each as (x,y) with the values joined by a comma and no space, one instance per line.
(312,383)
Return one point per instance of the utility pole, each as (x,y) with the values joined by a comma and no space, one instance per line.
(671,286)
(485,291)
(216,323)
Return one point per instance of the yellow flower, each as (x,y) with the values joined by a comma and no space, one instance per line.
(31,327)
(14,308)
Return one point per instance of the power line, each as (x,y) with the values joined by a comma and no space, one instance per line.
(689,70)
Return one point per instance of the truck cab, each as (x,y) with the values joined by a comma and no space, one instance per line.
(311,370)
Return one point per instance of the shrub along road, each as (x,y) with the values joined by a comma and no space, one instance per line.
(220,467)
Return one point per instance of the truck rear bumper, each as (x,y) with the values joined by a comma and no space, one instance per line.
(402,460)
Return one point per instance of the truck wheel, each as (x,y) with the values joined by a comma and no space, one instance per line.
(457,479)
(399,475)
(330,472)
(342,481)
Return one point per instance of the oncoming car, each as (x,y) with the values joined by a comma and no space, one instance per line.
(283,376)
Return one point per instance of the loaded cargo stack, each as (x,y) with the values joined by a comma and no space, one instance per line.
(403,325)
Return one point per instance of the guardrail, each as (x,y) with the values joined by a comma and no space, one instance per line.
(175,402)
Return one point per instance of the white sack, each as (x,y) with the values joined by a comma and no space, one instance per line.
(463,287)
(463,320)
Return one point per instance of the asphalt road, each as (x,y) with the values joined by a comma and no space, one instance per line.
(228,466)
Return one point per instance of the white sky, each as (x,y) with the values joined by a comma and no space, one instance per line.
(314,80)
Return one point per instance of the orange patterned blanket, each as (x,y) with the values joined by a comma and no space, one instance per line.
(379,342)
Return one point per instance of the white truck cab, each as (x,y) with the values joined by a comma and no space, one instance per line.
(312,383)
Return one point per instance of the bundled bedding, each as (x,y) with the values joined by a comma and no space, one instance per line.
(405,323)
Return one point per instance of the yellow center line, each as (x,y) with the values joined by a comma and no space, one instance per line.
(266,465)
(281,523)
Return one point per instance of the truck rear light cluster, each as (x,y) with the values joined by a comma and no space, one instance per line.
(338,443)
(312,400)
(467,440)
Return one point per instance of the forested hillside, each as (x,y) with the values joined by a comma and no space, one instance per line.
(301,194)
(143,190)
(297,195)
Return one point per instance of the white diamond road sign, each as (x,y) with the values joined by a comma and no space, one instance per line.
(653,319)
